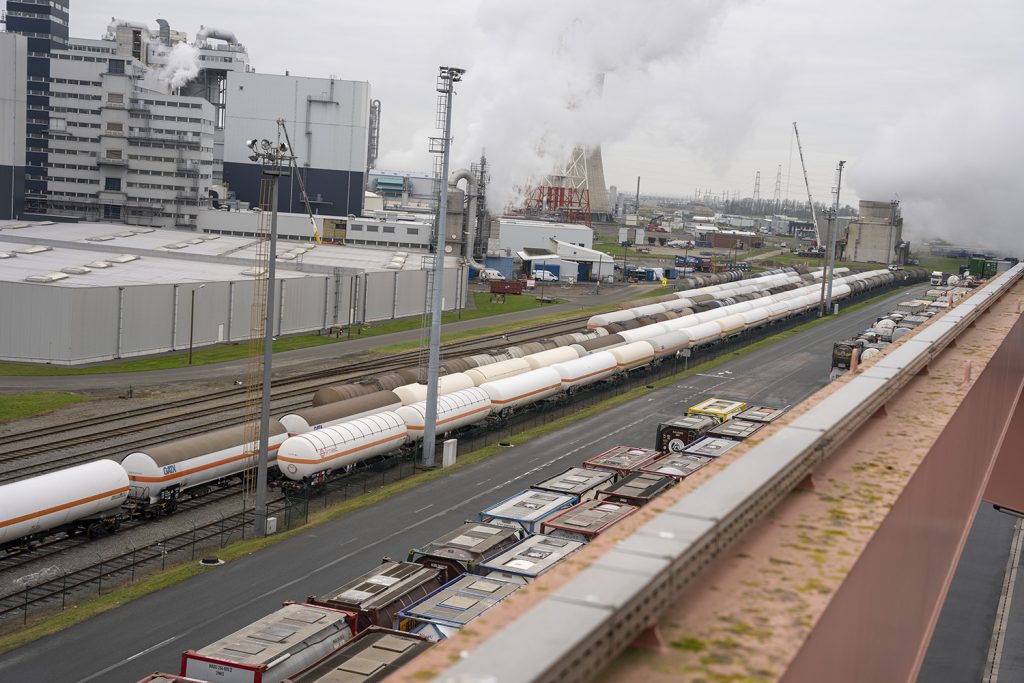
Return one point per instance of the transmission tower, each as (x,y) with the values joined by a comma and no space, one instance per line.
(778,190)
(757,190)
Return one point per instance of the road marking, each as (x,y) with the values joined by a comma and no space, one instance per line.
(995,650)
(425,507)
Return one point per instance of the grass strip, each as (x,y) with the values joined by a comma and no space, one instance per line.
(168,577)
(29,403)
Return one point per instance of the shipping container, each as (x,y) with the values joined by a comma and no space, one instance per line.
(462,550)
(763,414)
(638,488)
(719,408)
(678,465)
(454,605)
(621,460)
(526,561)
(710,447)
(371,656)
(736,429)
(583,483)
(586,520)
(526,510)
(506,287)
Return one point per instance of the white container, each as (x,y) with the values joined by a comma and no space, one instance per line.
(645,332)
(446,384)
(35,505)
(586,369)
(670,343)
(455,410)
(544,359)
(603,319)
(704,333)
(196,460)
(336,447)
(731,325)
(496,371)
(633,355)
(521,390)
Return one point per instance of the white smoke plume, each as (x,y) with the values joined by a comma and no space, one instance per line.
(531,93)
(955,166)
(182,65)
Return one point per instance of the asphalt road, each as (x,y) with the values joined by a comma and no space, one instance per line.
(149,634)
(959,649)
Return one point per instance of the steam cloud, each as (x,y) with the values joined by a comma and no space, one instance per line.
(955,167)
(182,65)
(532,90)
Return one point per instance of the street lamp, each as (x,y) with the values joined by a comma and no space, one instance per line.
(192,322)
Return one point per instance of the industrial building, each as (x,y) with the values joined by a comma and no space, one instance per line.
(144,127)
(877,235)
(83,292)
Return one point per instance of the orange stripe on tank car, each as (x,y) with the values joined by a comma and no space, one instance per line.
(200,468)
(589,374)
(65,506)
(529,393)
(454,417)
(637,362)
(285,458)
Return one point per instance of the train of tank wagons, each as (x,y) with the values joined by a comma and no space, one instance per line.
(350,423)
(392,613)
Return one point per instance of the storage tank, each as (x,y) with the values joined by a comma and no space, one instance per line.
(529,387)
(731,325)
(868,353)
(704,333)
(586,370)
(496,371)
(446,384)
(633,355)
(884,328)
(50,501)
(900,333)
(329,414)
(196,460)
(550,357)
(645,332)
(342,392)
(337,447)
(454,411)
(670,343)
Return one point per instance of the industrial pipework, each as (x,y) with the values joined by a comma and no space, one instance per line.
(453,182)
(207,32)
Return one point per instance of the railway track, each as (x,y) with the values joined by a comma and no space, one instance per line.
(216,409)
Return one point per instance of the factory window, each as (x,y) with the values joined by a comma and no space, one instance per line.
(389,228)
(357,227)
(111,212)
(412,231)
(115,98)
(115,66)
(112,184)
(371,228)
(115,127)
(113,154)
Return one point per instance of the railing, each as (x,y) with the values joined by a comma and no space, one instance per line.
(579,628)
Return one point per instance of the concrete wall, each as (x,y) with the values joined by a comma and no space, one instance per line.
(872,242)
(69,325)
(13,59)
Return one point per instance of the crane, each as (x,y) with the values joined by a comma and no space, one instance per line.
(807,183)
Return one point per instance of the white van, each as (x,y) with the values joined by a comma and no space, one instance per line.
(544,276)
(488,274)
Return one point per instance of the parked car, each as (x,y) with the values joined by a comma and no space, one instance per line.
(489,274)
(544,276)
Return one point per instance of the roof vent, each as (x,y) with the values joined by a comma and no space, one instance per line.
(123,258)
(100,238)
(49,277)
(196,241)
(142,231)
(99,265)
(47,223)
(76,270)
(34,249)
(254,272)
(287,256)
(126,233)
(207,238)
(6,254)
(178,245)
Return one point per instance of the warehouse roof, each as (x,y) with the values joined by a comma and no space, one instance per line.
(507,222)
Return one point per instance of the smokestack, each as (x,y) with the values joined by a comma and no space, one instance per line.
(165,31)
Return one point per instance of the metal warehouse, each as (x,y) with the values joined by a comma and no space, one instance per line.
(84,292)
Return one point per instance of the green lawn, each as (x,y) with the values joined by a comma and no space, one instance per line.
(227,352)
(17,406)
(943,263)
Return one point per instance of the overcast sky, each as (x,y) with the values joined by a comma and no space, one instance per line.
(921,98)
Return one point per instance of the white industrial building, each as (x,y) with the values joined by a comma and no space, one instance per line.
(509,235)
(13,59)
(83,292)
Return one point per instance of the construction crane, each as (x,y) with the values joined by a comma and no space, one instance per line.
(807,183)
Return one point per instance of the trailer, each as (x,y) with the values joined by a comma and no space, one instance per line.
(762,414)
(371,656)
(721,409)
(526,561)
(677,465)
(582,483)
(379,595)
(674,435)
(710,447)
(454,605)
(586,520)
(736,429)
(621,460)
(526,510)
(462,550)
(273,648)
(638,488)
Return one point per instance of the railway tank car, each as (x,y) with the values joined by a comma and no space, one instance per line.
(160,474)
(454,411)
(81,498)
(330,414)
(513,392)
(311,455)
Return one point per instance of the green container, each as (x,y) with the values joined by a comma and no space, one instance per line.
(976,266)
(990,269)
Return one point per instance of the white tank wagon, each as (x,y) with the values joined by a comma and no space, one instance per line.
(334,448)
(704,334)
(643,333)
(605,319)
(545,359)
(161,473)
(529,387)
(82,498)
(454,411)
(731,325)
(586,370)
(755,317)
(670,343)
(496,371)
(633,355)
(446,384)
(330,414)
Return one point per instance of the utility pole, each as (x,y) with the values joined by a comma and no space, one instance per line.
(447,77)
(833,229)
(638,201)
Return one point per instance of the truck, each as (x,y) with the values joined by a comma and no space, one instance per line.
(937,278)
